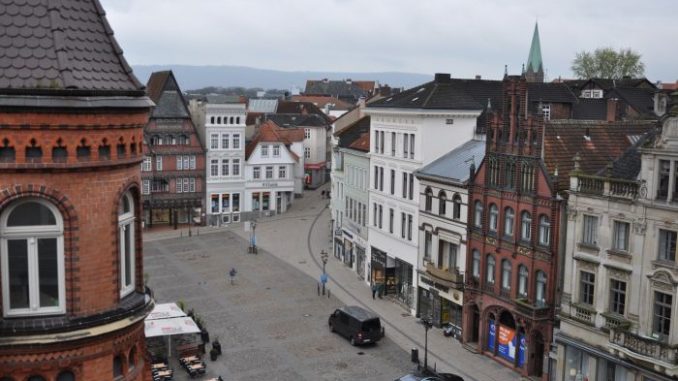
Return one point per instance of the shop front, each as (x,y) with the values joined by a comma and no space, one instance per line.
(383,271)
(403,289)
(441,303)
(360,261)
(224,208)
(348,251)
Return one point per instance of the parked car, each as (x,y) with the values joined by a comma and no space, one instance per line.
(356,324)
(412,377)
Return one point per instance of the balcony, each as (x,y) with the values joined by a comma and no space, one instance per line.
(605,186)
(583,313)
(644,348)
(451,278)
(614,321)
(533,311)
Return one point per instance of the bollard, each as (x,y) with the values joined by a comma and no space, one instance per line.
(328,293)
(318,289)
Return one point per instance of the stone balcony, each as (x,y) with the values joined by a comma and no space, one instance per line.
(449,277)
(605,186)
(533,311)
(645,349)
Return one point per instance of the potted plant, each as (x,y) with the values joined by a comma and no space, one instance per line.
(213,354)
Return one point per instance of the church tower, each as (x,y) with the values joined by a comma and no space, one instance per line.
(535,66)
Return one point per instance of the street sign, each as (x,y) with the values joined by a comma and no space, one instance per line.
(323,278)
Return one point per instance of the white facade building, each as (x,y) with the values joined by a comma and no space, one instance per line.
(443,212)
(350,182)
(619,308)
(274,170)
(225,144)
(408,131)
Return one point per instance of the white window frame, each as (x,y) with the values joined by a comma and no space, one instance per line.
(494,218)
(192,161)
(282,172)
(276,150)
(224,140)
(146,187)
(158,163)
(268,172)
(225,167)
(236,141)
(214,168)
(264,150)
(146,165)
(256,173)
(32,233)
(307,153)
(307,133)
(544,230)
(236,167)
(589,230)
(126,220)
(620,235)
(214,141)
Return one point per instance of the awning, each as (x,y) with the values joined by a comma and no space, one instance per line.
(165,311)
(170,326)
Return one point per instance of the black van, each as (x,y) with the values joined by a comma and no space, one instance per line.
(356,324)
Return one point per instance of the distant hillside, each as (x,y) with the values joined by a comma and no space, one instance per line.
(195,77)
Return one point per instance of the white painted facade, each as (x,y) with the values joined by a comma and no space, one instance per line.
(619,310)
(402,141)
(273,177)
(315,154)
(225,162)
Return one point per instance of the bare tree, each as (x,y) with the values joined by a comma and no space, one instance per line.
(608,63)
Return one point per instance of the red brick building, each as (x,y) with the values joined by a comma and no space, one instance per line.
(514,217)
(173,170)
(72,296)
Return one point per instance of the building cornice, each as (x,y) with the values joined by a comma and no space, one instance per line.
(423,112)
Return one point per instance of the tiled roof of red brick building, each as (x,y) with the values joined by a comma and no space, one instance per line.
(270,132)
(598,143)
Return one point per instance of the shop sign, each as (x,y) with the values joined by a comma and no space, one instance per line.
(269,185)
(438,286)
(508,342)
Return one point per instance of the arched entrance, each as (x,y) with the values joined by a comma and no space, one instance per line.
(537,356)
(509,343)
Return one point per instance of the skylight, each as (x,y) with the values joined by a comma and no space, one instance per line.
(414,99)
(420,90)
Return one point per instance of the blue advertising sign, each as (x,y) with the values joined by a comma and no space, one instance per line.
(491,335)
(507,343)
(521,350)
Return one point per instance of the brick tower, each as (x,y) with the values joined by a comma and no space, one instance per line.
(72,298)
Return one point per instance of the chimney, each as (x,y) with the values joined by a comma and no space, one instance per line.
(478,76)
(442,78)
(611,109)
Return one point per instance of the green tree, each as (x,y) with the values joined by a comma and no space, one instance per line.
(608,63)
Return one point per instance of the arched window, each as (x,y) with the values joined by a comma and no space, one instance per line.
(117,366)
(428,199)
(522,281)
(540,296)
(544,230)
(456,206)
(126,242)
(211,120)
(36,378)
(442,201)
(494,217)
(478,214)
(476,264)
(509,221)
(237,120)
(505,274)
(231,120)
(132,358)
(66,376)
(219,120)
(489,275)
(32,254)
(525,226)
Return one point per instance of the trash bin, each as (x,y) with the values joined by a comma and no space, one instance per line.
(414,355)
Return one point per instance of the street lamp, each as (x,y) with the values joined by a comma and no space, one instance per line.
(427,325)
(323,277)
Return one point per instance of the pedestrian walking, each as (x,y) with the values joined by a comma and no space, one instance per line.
(374,290)
(231,274)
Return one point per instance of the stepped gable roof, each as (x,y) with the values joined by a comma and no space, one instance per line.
(641,99)
(628,165)
(597,143)
(356,135)
(304,108)
(164,91)
(270,132)
(65,45)
(590,109)
(298,120)
(453,167)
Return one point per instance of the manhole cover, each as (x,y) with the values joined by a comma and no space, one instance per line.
(361,353)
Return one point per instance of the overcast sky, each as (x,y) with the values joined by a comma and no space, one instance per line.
(463,38)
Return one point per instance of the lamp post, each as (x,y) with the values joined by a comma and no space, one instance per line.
(427,325)
(323,277)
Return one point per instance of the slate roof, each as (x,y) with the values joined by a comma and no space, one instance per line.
(57,46)
(305,108)
(590,109)
(270,132)
(322,100)
(297,120)
(606,142)
(340,89)
(641,99)
(550,92)
(164,91)
(453,167)
(628,165)
(356,135)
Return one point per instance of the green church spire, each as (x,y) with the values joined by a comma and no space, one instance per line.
(535,67)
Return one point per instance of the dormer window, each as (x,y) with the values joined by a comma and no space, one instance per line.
(592,94)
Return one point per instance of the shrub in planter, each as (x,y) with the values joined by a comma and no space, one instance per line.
(216,345)
(213,354)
